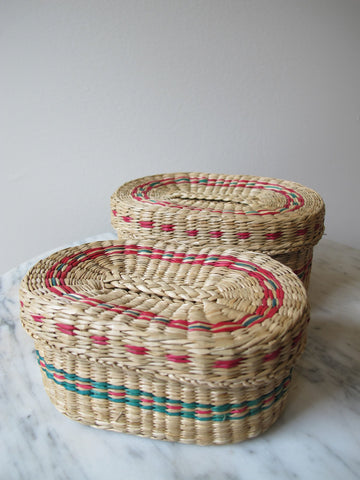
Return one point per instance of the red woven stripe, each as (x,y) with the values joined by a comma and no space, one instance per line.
(167,227)
(84,387)
(239,410)
(227,363)
(145,224)
(273,236)
(68,329)
(136,350)
(178,358)
(99,340)
(272,355)
(117,394)
(269,400)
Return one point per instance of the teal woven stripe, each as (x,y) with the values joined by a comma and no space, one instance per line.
(251,320)
(100,390)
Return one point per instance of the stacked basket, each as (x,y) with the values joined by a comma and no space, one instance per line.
(280,218)
(190,341)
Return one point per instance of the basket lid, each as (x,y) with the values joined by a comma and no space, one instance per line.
(256,213)
(208,315)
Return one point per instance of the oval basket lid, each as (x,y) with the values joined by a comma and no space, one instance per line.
(216,316)
(256,213)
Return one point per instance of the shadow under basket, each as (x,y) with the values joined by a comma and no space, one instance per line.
(167,341)
(280,218)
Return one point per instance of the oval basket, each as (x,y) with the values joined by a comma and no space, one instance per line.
(280,218)
(173,342)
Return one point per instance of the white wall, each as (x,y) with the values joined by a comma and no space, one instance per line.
(94,93)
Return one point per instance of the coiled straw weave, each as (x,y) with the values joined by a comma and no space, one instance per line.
(174,342)
(280,218)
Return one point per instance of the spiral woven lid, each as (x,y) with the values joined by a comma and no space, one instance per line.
(256,213)
(216,316)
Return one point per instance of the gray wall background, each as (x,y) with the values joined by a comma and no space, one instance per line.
(95,93)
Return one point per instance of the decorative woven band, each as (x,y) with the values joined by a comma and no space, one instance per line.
(169,406)
(272,300)
(293,199)
(268,238)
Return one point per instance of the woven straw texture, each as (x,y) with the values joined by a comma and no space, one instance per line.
(281,218)
(174,342)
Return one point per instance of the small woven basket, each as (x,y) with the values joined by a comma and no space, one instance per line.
(168,341)
(280,218)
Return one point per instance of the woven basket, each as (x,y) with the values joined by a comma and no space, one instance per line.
(277,217)
(180,343)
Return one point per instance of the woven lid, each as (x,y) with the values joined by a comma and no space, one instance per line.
(256,213)
(216,316)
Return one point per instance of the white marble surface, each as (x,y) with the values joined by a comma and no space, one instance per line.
(317,437)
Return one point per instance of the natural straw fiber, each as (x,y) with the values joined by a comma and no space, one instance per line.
(174,342)
(280,218)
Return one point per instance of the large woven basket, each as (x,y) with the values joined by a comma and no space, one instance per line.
(280,218)
(168,341)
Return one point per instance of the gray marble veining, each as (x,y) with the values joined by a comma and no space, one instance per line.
(317,437)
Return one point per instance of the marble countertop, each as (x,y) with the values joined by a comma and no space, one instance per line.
(317,437)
